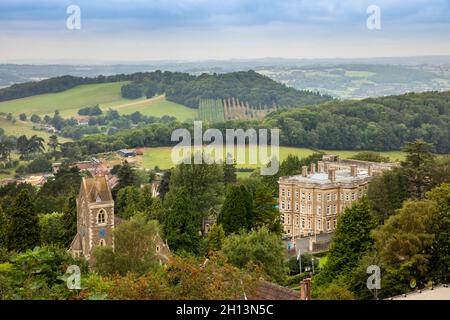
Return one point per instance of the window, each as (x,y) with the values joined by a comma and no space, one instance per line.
(289,205)
(342,196)
(289,193)
(309,196)
(309,224)
(302,210)
(309,208)
(303,223)
(303,196)
(328,197)
(334,196)
(334,209)
(296,219)
(347,197)
(328,225)
(102,243)
(288,219)
(319,210)
(282,218)
(296,206)
(318,224)
(101,217)
(353,196)
(328,209)
(282,204)
(334,223)
(319,197)
(282,192)
(296,194)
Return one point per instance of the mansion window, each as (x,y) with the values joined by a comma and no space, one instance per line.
(309,224)
(289,206)
(303,196)
(328,197)
(101,217)
(328,225)
(319,210)
(296,194)
(319,197)
(282,192)
(318,224)
(288,219)
(302,210)
(334,196)
(309,208)
(353,196)
(296,206)
(309,196)
(342,196)
(334,223)
(296,219)
(334,209)
(282,218)
(328,209)
(282,204)
(347,197)
(289,193)
(303,223)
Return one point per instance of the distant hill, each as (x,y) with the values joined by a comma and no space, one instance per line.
(251,87)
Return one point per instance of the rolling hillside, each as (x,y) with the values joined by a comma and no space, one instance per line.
(107,95)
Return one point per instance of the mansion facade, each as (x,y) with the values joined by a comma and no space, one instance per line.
(310,203)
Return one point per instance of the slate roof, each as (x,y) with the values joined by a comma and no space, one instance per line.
(271,291)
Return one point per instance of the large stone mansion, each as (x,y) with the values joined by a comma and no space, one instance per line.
(310,203)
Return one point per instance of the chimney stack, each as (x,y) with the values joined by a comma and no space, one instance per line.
(312,168)
(305,289)
(370,170)
(332,174)
(320,166)
(304,171)
(354,170)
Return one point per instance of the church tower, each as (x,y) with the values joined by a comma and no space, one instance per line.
(95,217)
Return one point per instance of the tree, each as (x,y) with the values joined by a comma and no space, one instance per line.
(229,173)
(35,118)
(57,121)
(23,117)
(181,228)
(259,248)
(53,143)
(370,156)
(418,167)
(216,237)
(440,227)
(203,182)
(69,219)
(3,228)
(52,230)
(134,248)
(126,176)
(23,229)
(6,147)
(131,91)
(164,185)
(403,245)
(36,144)
(22,147)
(387,193)
(157,210)
(351,241)
(264,212)
(235,213)
(129,201)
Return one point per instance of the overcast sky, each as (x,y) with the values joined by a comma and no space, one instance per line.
(143,30)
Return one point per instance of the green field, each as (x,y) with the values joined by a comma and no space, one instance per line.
(25,128)
(161,156)
(107,95)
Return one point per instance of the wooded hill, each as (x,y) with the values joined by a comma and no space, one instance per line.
(250,87)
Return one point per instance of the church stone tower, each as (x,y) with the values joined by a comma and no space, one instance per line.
(95,217)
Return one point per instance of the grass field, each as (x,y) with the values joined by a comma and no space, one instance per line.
(107,95)
(25,128)
(161,156)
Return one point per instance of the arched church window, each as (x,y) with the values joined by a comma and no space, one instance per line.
(101,217)
(102,243)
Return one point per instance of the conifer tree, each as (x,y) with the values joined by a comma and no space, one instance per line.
(264,212)
(235,213)
(23,229)
(216,237)
(181,228)
(69,218)
(3,227)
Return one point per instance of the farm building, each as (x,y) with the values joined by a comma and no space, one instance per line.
(126,153)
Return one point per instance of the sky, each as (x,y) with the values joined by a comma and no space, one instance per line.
(146,30)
